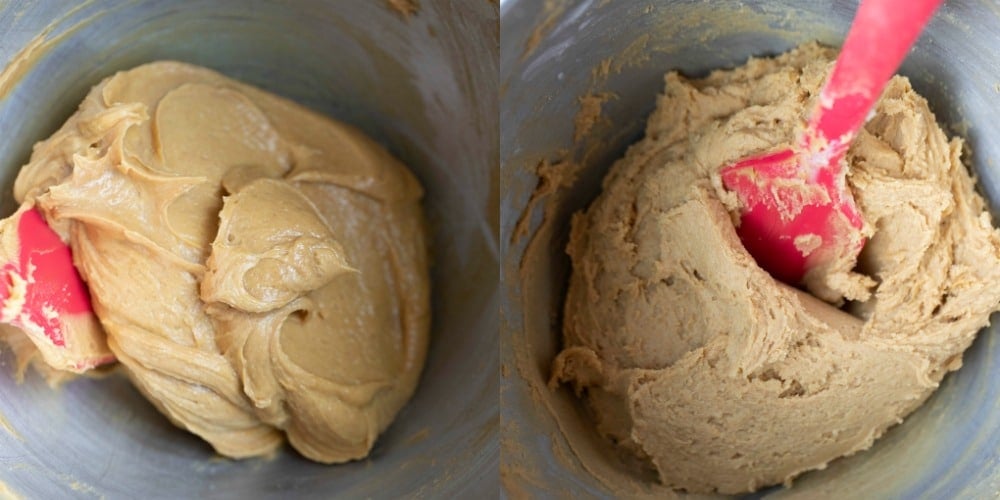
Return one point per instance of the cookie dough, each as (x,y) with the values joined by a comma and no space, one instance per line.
(260,270)
(712,373)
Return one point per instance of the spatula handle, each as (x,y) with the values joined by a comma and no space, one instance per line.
(882,33)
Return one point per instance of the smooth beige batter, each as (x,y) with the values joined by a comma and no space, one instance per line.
(699,363)
(260,270)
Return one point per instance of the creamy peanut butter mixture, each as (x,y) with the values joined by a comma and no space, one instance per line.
(720,378)
(259,270)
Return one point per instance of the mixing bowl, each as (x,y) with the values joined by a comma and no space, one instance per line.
(556,52)
(423,84)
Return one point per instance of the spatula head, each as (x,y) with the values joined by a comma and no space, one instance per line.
(43,295)
(796,211)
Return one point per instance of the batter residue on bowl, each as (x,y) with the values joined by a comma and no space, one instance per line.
(714,374)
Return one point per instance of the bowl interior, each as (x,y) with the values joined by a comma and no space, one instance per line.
(424,86)
(551,56)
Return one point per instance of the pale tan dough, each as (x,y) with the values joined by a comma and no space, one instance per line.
(697,361)
(261,271)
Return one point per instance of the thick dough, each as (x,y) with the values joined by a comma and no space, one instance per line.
(260,270)
(716,375)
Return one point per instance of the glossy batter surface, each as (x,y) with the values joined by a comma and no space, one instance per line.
(260,270)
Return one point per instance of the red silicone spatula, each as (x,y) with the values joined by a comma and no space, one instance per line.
(797,213)
(42,294)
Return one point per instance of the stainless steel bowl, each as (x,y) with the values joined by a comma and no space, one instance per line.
(426,87)
(551,55)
